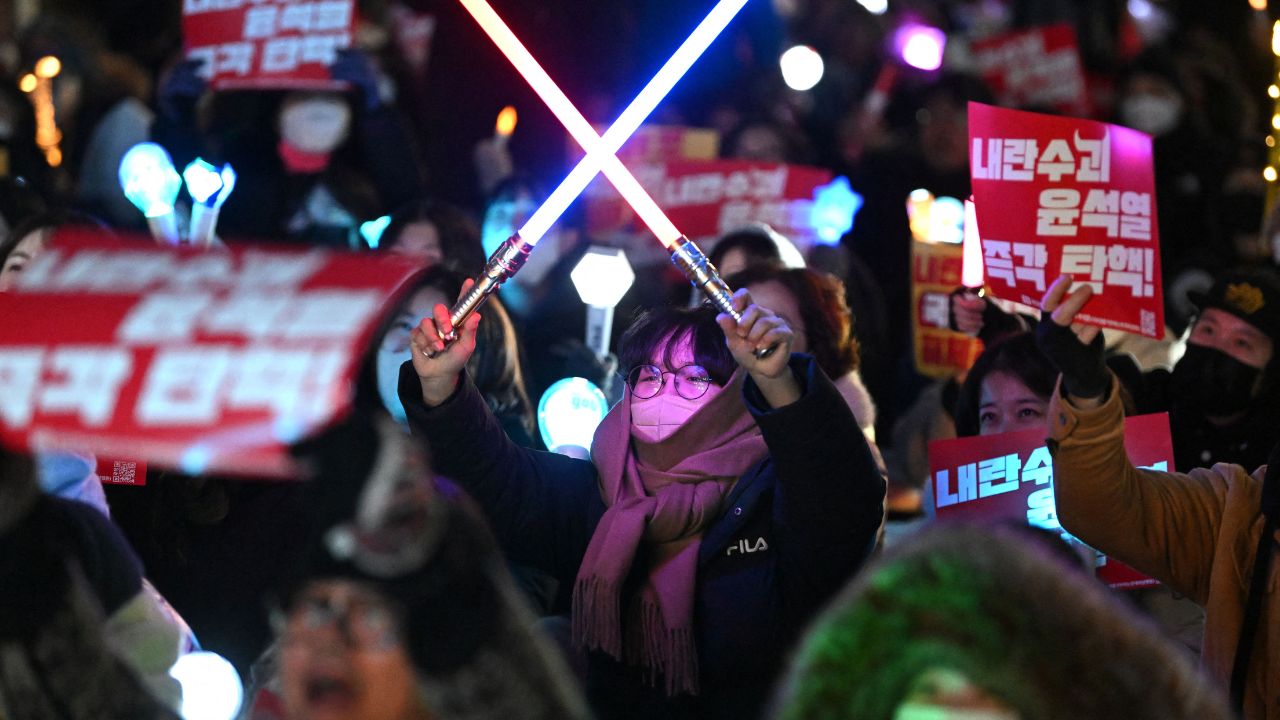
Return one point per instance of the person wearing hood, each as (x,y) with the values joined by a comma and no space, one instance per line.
(728,497)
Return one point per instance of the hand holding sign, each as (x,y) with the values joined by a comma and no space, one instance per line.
(1075,349)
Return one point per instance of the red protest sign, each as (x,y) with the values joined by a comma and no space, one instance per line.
(1036,68)
(707,198)
(1010,477)
(267,44)
(935,272)
(1062,196)
(203,362)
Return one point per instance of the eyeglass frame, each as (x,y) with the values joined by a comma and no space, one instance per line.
(662,374)
(338,613)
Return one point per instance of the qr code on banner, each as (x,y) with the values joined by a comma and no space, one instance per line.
(124,473)
(1147,319)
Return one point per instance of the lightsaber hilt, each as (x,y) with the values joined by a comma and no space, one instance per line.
(694,264)
(505,262)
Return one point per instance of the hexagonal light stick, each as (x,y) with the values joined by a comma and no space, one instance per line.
(601,278)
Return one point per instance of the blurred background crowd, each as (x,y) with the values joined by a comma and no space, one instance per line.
(405,159)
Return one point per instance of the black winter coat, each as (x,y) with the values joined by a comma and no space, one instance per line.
(793,530)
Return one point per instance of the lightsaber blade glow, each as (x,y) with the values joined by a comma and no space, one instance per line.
(508,258)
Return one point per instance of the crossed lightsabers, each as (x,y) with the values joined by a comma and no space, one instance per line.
(601,156)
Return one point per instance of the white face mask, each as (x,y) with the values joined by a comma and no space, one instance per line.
(315,123)
(388,368)
(1151,114)
(657,418)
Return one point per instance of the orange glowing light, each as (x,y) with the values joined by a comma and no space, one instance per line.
(506,122)
(28,83)
(48,66)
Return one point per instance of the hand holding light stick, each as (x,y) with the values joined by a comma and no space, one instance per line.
(601,152)
(510,256)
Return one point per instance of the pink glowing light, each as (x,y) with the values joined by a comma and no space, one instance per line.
(920,46)
(971,274)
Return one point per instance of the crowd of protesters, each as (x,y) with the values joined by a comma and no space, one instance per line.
(751,533)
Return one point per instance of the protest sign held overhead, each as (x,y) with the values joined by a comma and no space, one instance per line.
(203,362)
(1009,477)
(267,44)
(1035,68)
(1062,196)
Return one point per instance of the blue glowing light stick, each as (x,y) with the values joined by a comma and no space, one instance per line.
(209,187)
(151,183)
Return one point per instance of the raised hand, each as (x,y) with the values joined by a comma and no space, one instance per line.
(761,328)
(1075,349)
(439,371)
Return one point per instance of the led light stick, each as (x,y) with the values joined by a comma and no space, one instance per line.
(209,187)
(601,278)
(507,259)
(151,183)
(971,275)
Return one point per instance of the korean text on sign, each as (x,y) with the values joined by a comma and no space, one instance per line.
(246,43)
(1060,196)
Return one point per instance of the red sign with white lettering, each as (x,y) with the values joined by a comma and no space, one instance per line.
(267,44)
(707,198)
(1035,68)
(199,361)
(1010,477)
(1062,196)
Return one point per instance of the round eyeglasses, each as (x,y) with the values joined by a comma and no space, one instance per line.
(647,381)
(362,621)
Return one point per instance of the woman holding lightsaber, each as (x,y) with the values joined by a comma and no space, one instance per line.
(729,496)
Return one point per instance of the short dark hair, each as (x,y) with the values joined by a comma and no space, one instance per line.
(753,241)
(459,233)
(652,327)
(827,320)
(1016,355)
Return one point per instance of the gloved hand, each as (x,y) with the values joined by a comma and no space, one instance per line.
(1076,350)
(180,90)
(354,68)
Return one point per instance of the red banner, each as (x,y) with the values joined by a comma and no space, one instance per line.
(1010,477)
(1038,68)
(203,362)
(267,44)
(1061,196)
(707,198)
(935,271)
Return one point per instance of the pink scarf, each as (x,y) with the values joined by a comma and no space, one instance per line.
(660,496)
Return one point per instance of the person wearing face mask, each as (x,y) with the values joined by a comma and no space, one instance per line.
(1208,533)
(727,498)
(311,165)
(1222,397)
(1191,164)
(494,367)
